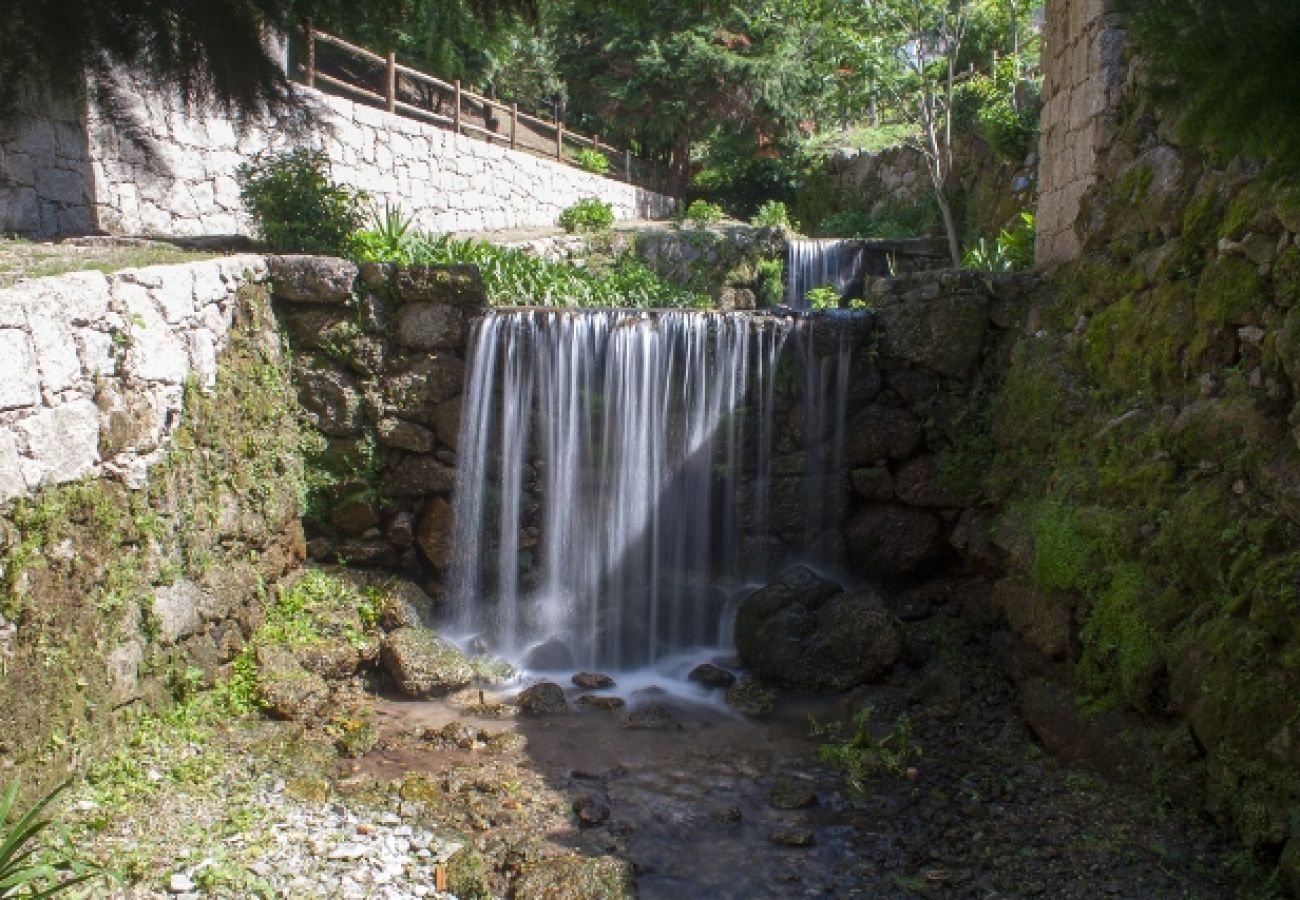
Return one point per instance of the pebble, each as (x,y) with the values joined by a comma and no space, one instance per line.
(180,883)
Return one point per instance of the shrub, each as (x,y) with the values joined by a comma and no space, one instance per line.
(823,298)
(702,213)
(295,205)
(28,869)
(388,237)
(589,214)
(593,161)
(771,282)
(1013,251)
(772,214)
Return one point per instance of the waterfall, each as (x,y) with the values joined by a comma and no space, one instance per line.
(823,263)
(613,466)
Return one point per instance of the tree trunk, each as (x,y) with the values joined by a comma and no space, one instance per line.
(949,227)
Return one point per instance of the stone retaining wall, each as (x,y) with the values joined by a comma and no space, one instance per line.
(93,366)
(156,168)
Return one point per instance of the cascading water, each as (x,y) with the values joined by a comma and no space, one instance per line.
(821,263)
(615,467)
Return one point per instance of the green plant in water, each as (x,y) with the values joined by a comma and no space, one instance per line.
(860,754)
(702,213)
(588,214)
(296,206)
(593,161)
(27,867)
(772,214)
(823,298)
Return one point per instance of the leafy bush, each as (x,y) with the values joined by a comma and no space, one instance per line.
(702,213)
(588,214)
(296,208)
(516,278)
(823,298)
(1012,252)
(891,221)
(593,161)
(388,237)
(771,282)
(772,214)
(862,755)
(27,868)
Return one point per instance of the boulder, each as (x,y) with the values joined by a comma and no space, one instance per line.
(405,435)
(1042,620)
(806,633)
(285,689)
(423,664)
(944,335)
(545,698)
(331,396)
(412,391)
(893,540)
(430,326)
(549,656)
(789,793)
(312,279)
(576,878)
(455,285)
(713,676)
(917,483)
(434,532)
(592,681)
(880,432)
(604,704)
(655,717)
(417,476)
(751,697)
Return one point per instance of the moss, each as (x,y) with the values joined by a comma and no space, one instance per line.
(1245,209)
(1137,345)
(1201,215)
(1031,402)
(1229,289)
(1286,277)
(1121,650)
(1065,557)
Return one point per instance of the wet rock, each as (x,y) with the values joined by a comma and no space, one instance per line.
(652,718)
(894,540)
(713,676)
(549,656)
(604,704)
(404,605)
(492,670)
(804,632)
(879,432)
(792,837)
(312,279)
(576,878)
(751,697)
(591,811)
(726,815)
(542,699)
(285,688)
(401,530)
(423,664)
(791,794)
(592,681)
(460,735)
(433,535)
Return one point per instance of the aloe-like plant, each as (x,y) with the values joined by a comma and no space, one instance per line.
(27,867)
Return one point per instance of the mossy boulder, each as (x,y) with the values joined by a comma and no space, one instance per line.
(545,698)
(944,336)
(576,878)
(423,664)
(751,697)
(467,875)
(807,633)
(285,689)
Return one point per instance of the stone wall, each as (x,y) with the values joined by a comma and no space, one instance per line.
(151,478)
(1083,73)
(45,184)
(93,367)
(156,168)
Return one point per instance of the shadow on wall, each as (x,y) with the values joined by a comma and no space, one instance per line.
(46,181)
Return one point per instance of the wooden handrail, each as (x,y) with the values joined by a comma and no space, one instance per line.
(390,100)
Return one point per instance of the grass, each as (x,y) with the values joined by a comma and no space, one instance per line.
(21,258)
(869,138)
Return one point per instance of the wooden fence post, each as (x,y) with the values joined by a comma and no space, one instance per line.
(514,125)
(456,114)
(390,83)
(309,72)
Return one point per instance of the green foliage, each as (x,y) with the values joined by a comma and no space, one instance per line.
(295,205)
(388,236)
(1065,556)
(892,221)
(823,298)
(861,755)
(319,604)
(588,214)
(28,868)
(1120,649)
(702,213)
(771,282)
(516,278)
(593,161)
(863,138)
(1219,66)
(1003,108)
(1012,252)
(772,214)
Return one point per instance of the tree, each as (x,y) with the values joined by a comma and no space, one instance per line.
(666,74)
(212,50)
(912,58)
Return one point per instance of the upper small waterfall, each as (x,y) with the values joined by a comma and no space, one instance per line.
(616,474)
(822,263)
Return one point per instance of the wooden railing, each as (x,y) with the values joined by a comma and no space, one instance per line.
(622,162)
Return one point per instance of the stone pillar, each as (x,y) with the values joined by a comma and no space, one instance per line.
(1083,73)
